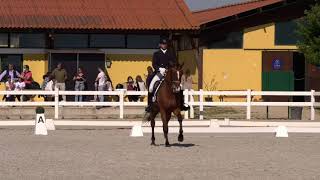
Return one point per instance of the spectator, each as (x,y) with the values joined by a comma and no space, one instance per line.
(149,76)
(50,85)
(46,79)
(10,72)
(26,76)
(101,83)
(141,86)
(131,86)
(9,87)
(60,76)
(19,86)
(80,80)
(186,80)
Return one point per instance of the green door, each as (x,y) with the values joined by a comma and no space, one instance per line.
(278,81)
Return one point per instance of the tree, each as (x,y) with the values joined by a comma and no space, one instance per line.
(309,35)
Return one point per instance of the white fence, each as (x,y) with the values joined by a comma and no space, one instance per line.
(189,99)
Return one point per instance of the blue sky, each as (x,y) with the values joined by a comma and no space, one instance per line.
(196,5)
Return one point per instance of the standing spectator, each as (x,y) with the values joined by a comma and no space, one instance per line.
(101,82)
(9,87)
(141,86)
(80,80)
(10,72)
(131,86)
(19,86)
(60,75)
(186,80)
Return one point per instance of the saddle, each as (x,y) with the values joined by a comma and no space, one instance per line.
(156,88)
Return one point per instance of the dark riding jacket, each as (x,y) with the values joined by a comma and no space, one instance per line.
(161,59)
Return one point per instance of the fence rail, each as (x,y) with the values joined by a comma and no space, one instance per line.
(189,98)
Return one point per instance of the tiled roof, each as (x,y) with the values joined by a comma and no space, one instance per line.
(208,15)
(196,5)
(96,14)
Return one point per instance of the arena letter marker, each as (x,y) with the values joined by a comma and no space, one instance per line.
(282,131)
(40,124)
(136,131)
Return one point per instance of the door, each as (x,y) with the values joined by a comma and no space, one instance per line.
(277,75)
(90,64)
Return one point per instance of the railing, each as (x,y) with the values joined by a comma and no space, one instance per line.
(189,99)
(57,104)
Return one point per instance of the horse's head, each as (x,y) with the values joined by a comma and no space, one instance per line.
(173,77)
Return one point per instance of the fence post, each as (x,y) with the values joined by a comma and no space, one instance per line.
(121,101)
(186,101)
(191,106)
(201,105)
(248,104)
(56,103)
(312,105)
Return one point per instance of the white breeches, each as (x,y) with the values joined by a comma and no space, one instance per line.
(156,78)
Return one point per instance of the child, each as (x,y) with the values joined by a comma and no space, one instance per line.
(19,86)
(9,87)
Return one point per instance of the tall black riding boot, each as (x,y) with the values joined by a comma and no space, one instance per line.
(148,109)
(183,106)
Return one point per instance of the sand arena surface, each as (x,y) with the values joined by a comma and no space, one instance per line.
(112,154)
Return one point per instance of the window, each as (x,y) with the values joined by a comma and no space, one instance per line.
(3,40)
(285,33)
(70,40)
(107,40)
(28,40)
(233,40)
(16,60)
(143,41)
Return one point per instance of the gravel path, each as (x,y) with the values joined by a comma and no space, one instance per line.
(112,154)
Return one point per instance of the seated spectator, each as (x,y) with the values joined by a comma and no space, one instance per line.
(9,87)
(141,86)
(131,86)
(19,86)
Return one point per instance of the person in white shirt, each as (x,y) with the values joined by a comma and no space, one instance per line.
(101,82)
(9,87)
(186,80)
(19,86)
(141,85)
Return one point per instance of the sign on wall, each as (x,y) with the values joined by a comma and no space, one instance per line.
(276,64)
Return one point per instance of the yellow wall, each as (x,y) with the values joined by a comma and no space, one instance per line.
(240,69)
(190,62)
(124,65)
(262,37)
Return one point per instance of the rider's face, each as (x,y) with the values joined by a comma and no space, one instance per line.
(163,46)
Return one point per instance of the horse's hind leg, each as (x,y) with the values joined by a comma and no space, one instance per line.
(179,116)
(165,120)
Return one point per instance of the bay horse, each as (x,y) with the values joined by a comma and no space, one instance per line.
(168,101)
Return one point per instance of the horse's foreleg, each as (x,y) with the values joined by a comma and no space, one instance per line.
(153,123)
(179,116)
(152,136)
(165,120)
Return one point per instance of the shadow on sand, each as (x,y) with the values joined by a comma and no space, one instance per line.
(180,145)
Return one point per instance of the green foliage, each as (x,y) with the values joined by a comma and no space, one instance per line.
(309,33)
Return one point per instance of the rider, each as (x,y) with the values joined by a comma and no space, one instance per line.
(162,59)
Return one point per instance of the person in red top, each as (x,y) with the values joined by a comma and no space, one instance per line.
(26,75)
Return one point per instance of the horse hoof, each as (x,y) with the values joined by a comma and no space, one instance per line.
(180,138)
(153,144)
(167,144)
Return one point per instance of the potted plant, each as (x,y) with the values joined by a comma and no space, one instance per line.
(210,86)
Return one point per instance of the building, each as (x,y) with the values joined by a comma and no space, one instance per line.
(240,44)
